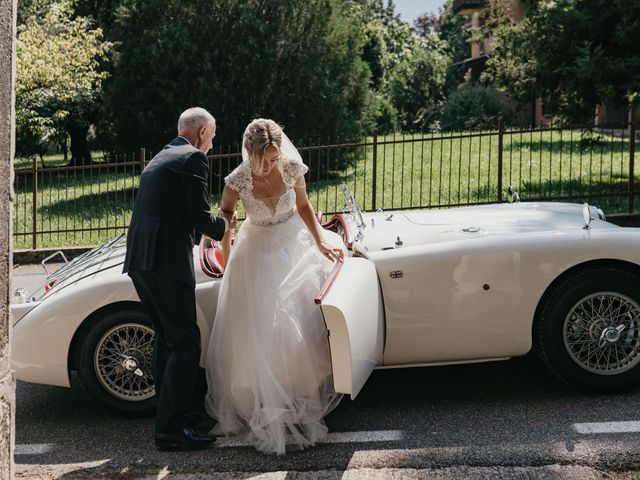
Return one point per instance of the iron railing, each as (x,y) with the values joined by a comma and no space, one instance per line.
(85,205)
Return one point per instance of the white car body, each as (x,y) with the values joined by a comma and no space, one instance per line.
(43,330)
(418,288)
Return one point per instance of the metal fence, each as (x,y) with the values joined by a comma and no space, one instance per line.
(85,205)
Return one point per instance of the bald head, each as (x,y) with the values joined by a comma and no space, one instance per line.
(194,118)
(199,127)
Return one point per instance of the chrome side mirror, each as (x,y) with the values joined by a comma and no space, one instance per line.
(20,295)
(515,196)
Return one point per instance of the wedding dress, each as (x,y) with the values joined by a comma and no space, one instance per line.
(268,362)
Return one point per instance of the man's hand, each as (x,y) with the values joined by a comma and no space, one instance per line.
(231,217)
(233,220)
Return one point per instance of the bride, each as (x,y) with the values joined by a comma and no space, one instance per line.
(268,362)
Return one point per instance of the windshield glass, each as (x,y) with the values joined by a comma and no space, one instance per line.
(351,206)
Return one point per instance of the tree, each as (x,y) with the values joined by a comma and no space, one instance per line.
(573,54)
(58,76)
(408,70)
(415,86)
(296,61)
(450,28)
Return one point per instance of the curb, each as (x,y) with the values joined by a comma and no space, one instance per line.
(26,257)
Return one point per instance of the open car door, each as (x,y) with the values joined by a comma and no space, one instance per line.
(351,303)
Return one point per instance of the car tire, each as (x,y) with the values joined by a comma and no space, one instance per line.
(588,331)
(113,360)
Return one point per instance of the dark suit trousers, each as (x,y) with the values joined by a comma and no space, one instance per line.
(179,380)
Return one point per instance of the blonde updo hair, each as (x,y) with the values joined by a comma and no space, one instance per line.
(258,135)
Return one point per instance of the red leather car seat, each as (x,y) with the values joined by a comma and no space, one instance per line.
(211,258)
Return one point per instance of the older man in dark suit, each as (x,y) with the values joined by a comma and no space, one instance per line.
(171,210)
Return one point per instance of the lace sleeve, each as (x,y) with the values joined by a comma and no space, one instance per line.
(237,179)
(293,170)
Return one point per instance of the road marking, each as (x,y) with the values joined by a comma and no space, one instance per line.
(360,437)
(33,448)
(164,473)
(607,427)
(334,437)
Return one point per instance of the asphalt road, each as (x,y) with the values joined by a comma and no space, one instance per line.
(508,419)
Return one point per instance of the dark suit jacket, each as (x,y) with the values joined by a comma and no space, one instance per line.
(170,211)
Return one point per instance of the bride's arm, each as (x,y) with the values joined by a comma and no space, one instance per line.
(228,208)
(305,210)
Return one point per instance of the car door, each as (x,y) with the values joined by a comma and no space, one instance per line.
(351,303)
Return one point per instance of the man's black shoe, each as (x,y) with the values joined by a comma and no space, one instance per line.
(185,439)
(200,422)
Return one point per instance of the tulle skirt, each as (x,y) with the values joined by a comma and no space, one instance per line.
(268,361)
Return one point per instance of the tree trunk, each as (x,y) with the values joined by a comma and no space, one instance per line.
(80,154)
(65,149)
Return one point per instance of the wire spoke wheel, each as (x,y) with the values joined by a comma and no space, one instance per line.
(602,333)
(122,362)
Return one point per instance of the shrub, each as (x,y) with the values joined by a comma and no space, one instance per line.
(475,106)
(381,116)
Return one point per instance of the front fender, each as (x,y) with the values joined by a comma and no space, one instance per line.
(41,339)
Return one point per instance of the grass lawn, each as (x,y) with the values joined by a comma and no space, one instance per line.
(425,171)
(48,161)
(452,171)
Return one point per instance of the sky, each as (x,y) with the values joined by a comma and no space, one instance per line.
(409,10)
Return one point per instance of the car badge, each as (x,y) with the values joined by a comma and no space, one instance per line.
(396,274)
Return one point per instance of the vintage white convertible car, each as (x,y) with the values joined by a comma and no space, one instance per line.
(417,288)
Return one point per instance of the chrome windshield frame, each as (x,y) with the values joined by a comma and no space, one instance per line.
(351,207)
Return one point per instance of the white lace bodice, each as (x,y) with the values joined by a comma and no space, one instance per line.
(259,211)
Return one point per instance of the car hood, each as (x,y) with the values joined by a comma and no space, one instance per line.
(393,229)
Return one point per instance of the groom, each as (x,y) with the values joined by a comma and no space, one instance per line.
(171,209)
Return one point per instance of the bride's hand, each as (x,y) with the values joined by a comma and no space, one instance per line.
(332,253)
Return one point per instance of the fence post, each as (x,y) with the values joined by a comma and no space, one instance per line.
(375,171)
(500,140)
(143,156)
(632,153)
(34,204)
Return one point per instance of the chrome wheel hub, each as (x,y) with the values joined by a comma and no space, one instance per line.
(602,333)
(122,362)
(130,364)
(610,335)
